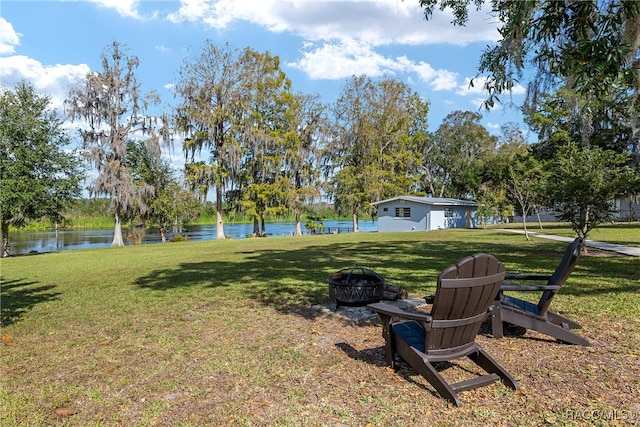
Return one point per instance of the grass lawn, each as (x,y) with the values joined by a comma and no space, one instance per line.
(224,333)
(623,233)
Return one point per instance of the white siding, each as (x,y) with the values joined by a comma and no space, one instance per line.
(423,216)
(387,220)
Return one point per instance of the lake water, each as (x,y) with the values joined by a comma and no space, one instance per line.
(24,242)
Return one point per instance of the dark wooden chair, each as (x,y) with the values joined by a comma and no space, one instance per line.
(464,296)
(534,316)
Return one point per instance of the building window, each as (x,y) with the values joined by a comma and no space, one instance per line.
(403,212)
(448,212)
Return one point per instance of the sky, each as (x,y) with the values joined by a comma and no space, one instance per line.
(320,43)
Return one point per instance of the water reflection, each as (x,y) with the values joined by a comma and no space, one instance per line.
(24,242)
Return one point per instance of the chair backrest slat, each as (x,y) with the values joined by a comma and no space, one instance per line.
(562,273)
(463,296)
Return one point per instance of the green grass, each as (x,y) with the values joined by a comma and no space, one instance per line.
(624,233)
(218,332)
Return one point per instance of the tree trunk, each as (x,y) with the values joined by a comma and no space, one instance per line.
(539,220)
(256,227)
(219,221)
(219,226)
(163,234)
(117,232)
(355,221)
(585,229)
(298,231)
(5,239)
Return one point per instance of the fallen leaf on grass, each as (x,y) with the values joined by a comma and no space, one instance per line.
(65,412)
(7,340)
(105,342)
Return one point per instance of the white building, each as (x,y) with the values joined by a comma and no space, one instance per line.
(413,213)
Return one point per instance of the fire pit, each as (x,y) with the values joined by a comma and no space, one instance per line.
(355,287)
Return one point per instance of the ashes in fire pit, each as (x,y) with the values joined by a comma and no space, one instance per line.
(355,287)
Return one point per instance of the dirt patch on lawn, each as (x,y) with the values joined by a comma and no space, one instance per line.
(560,384)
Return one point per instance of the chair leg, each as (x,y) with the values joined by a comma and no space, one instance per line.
(389,346)
(426,369)
(486,362)
(496,321)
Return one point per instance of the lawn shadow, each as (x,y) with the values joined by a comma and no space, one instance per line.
(206,273)
(373,356)
(292,281)
(376,356)
(19,296)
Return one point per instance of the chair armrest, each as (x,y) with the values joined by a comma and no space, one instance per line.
(527,277)
(516,287)
(392,310)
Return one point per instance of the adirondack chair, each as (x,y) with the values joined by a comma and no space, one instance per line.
(464,295)
(534,316)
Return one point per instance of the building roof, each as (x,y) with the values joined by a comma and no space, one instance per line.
(433,201)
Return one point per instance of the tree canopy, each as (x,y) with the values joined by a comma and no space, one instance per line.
(39,174)
(592,46)
(210,93)
(376,129)
(584,183)
(581,61)
(113,109)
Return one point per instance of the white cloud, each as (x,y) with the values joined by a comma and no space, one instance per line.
(437,80)
(8,38)
(518,90)
(51,80)
(349,57)
(126,8)
(341,38)
(375,22)
(334,61)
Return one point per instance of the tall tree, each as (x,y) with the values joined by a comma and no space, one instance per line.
(38,175)
(267,106)
(460,147)
(377,127)
(566,119)
(303,140)
(528,179)
(494,195)
(112,110)
(211,100)
(586,53)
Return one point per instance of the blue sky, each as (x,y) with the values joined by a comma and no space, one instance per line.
(321,43)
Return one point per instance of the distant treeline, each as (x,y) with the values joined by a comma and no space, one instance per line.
(93,214)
